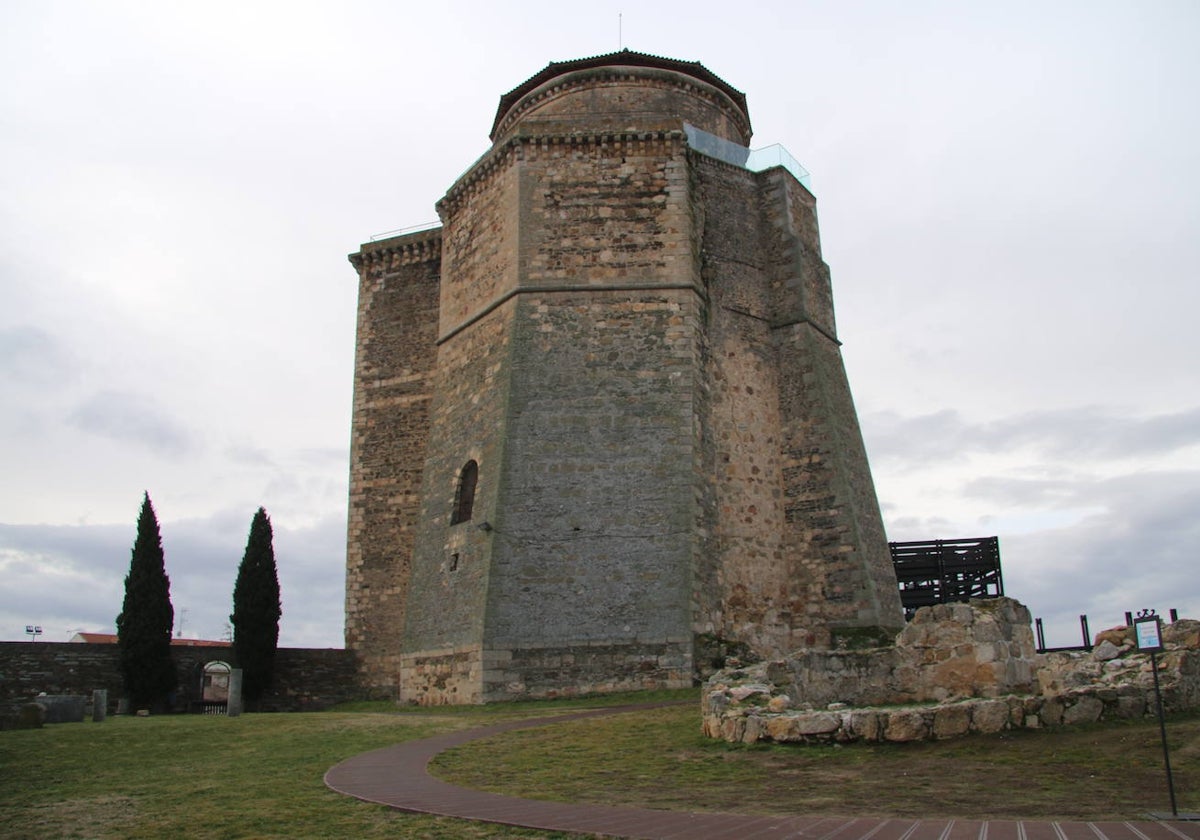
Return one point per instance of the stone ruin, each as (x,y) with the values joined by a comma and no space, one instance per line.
(953,670)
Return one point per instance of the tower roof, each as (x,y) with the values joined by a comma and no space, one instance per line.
(623,58)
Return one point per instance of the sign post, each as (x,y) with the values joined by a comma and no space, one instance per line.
(1147,633)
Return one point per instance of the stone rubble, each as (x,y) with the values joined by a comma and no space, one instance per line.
(955,669)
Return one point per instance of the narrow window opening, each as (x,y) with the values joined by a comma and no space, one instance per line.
(464,496)
(454,562)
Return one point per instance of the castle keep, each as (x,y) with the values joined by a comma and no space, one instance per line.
(601,422)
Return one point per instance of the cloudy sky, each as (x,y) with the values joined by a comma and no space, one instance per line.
(1009,197)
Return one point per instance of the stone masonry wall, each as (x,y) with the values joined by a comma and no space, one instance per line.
(480,218)
(306,679)
(956,668)
(593,540)
(452,562)
(635,344)
(443,634)
(614,99)
(797,533)
(745,591)
(591,668)
(394,360)
(836,540)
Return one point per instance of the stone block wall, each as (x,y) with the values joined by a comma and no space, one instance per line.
(799,551)
(635,343)
(447,676)
(306,679)
(618,96)
(957,668)
(573,390)
(394,360)
(591,668)
(31,668)
(743,589)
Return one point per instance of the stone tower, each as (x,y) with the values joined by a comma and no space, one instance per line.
(601,422)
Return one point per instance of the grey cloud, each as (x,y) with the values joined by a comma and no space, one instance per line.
(252,455)
(1136,552)
(132,418)
(31,356)
(903,528)
(1029,492)
(72,577)
(63,577)
(1085,432)
(325,456)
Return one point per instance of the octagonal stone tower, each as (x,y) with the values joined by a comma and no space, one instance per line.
(601,423)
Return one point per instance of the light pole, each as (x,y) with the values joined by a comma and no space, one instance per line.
(33,630)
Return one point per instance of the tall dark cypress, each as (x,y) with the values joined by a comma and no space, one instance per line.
(256,610)
(144,625)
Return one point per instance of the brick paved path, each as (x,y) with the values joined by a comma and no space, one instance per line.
(397,776)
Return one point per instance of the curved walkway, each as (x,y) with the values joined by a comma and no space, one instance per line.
(398,776)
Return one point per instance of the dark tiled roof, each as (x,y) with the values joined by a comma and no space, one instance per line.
(111,639)
(627,58)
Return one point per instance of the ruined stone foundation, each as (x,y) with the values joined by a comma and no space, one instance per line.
(601,419)
(955,669)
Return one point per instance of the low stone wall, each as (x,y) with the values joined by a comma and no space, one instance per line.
(305,678)
(744,721)
(28,669)
(982,649)
(954,670)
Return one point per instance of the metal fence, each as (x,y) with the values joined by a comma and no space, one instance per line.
(943,571)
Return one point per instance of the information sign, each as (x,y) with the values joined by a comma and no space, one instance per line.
(1148,633)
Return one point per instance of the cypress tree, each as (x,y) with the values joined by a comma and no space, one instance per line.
(144,625)
(256,610)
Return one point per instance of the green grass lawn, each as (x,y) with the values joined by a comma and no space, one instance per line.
(658,759)
(261,775)
(199,776)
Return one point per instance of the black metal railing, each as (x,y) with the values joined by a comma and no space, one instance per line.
(943,571)
(1084,631)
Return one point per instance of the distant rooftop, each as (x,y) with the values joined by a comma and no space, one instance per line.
(111,639)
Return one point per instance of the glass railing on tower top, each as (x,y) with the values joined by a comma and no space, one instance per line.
(756,160)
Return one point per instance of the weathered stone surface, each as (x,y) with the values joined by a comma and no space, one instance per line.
(989,716)
(1075,686)
(951,721)
(1184,633)
(1131,704)
(716,700)
(905,725)
(689,465)
(1083,709)
(1105,651)
(817,723)
(743,692)
(865,725)
(1052,712)
(1116,636)
(782,729)
(780,703)
(31,716)
(63,708)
